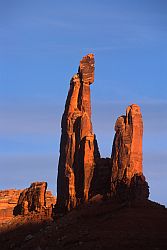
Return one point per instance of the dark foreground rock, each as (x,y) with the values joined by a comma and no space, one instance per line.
(95,225)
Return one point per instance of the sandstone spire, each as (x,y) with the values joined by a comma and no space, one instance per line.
(127,172)
(78,147)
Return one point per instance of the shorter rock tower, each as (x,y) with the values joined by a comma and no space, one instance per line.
(127,180)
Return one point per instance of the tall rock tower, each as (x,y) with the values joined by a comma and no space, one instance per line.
(78,147)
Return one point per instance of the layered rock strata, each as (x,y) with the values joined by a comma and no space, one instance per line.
(127,179)
(35,199)
(78,147)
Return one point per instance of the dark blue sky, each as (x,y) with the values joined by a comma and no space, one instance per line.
(41,44)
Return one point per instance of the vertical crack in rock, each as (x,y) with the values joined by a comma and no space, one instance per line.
(127,179)
(78,147)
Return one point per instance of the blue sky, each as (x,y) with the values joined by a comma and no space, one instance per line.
(41,44)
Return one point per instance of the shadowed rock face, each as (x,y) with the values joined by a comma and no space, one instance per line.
(78,147)
(127,171)
(101,181)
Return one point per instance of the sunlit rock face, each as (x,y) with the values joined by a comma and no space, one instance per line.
(78,147)
(127,180)
(8,200)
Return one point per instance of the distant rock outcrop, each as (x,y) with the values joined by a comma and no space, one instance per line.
(35,199)
(78,148)
(127,180)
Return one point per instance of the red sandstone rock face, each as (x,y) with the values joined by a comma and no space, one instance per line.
(127,171)
(78,148)
(8,200)
(86,69)
(50,199)
(35,199)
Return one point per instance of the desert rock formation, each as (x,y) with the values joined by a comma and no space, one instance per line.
(8,200)
(78,148)
(22,202)
(82,174)
(127,170)
(35,199)
(50,199)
